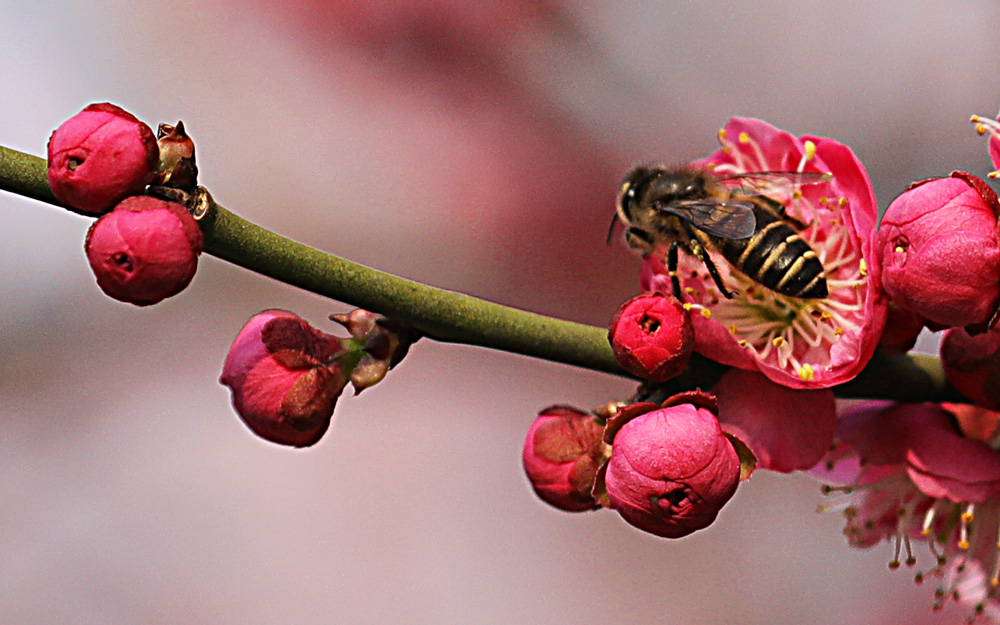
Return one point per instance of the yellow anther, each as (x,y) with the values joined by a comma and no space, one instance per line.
(838,331)
(722,135)
(967,517)
(827,177)
(825,315)
(733,329)
(797,194)
(823,200)
(899,249)
(963,544)
(863,268)
(744,137)
(810,150)
(742,343)
(980,129)
(974,119)
(686,306)
(778,341)
(993,174)
(842,201)
(706,313)
(689,290)
(806,373)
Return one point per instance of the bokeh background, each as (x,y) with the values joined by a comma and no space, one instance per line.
(475,147)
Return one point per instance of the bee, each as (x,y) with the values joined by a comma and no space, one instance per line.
(693,208)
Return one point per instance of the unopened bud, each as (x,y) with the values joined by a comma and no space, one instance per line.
(562,452)
(652,337)
(144,251)
(100,156)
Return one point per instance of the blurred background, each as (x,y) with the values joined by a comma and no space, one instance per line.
(476,149)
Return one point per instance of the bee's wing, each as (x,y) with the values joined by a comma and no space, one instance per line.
(728,219)
(763,181)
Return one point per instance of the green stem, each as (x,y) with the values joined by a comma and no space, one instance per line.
(455,317)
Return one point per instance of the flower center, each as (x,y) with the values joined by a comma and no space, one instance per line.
(791,332)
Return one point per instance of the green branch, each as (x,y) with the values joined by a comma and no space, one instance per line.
(455,317)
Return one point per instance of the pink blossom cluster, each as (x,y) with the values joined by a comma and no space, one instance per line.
(669,462)
(285,375)
(928,475)
(906,473)
(668,466)
(142,249)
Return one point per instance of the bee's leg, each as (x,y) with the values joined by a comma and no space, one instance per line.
(675,282)
(702,254)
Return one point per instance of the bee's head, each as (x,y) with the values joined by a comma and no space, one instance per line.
(632,188)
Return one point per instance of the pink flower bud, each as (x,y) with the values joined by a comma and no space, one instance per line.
(99,157)
(972,364)
(285,378)
(672,468)
(144,251)
(652,337)
(562,452)
(940,251)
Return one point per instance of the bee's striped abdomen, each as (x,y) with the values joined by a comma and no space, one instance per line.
(776,256)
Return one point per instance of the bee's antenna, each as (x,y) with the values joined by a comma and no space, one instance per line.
(611,229)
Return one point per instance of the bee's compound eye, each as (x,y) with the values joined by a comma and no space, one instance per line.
(627,195)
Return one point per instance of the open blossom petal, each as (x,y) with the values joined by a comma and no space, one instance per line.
(801,343)
(786,429)
(914,475)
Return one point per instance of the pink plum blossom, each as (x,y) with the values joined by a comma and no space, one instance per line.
(940,251)
(100,156)
(285,377)
(671,468)
(908,474)
(562,452)
(786,429)
(652,337)
(144,251)
(800,343)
